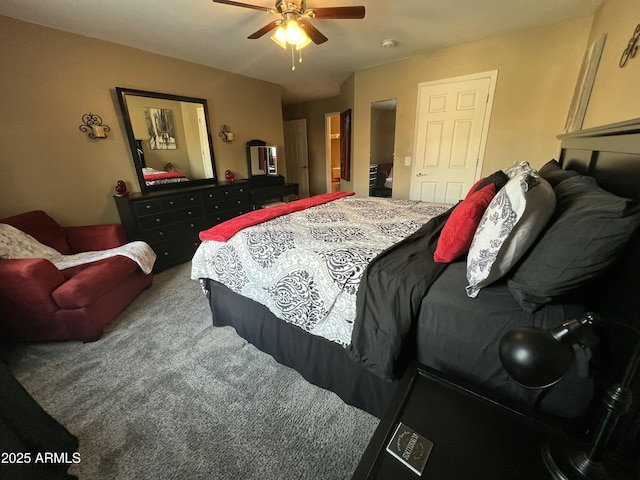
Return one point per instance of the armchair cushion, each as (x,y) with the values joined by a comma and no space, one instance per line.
(86,283)
(40,303)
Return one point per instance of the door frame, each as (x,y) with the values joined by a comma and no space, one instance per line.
(493,79)
(327,147)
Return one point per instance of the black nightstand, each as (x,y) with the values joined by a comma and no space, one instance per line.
(473,438)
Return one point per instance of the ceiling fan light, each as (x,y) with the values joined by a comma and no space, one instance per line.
(293,32)
(303,42)
(280,37)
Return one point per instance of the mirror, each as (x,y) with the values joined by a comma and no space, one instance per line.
(382,146)
(262,158)
(169,139)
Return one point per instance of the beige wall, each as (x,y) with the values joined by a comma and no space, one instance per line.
(50,78)
(536,76)
(616,91)
(537,71)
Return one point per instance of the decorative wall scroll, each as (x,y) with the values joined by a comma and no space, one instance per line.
(632,47)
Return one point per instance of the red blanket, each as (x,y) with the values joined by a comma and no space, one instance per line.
(162,176)
(225,230)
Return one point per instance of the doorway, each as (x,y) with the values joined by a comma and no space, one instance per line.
(382,146)
(332,149)
(452,123)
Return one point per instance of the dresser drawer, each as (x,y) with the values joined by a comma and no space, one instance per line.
(228,204)
(192,212)
(148,207)
(174,251)
(171,203)
(190,229)
(227,192)
(149,222)
(161,234)
(191,199)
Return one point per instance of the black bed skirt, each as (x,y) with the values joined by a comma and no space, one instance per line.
(320,361)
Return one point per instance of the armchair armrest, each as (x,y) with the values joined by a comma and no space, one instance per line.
(28,281)
(95,237)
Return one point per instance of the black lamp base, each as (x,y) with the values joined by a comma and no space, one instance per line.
(568,460)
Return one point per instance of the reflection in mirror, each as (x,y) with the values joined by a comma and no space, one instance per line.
(169,138)
(262,158)
(382,145)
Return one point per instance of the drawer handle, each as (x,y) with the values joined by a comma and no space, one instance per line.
(161,233)
(147,206)
(166,254)
(217,206)
(191,225)
(158,220)
(226,193)
(171,202)
(189,213)
(239,202)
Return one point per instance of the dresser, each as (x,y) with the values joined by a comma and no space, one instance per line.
(171,220)
(266,188)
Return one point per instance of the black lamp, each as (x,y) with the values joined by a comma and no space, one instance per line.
(537,358)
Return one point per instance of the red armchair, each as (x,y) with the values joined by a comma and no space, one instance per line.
(38,302)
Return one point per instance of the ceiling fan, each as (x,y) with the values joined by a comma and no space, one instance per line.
(293,25)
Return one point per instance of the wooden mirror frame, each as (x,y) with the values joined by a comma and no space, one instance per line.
(122,94)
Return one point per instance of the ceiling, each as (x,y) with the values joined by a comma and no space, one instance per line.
(213,34)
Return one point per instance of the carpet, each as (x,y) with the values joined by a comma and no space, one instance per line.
(165,395)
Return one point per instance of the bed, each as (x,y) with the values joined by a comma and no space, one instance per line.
(391,301)
(161,177)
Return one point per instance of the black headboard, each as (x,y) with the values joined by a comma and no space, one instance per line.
(611,154)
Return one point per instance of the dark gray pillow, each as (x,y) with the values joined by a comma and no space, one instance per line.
(588,230)
(499,179)
(553,173)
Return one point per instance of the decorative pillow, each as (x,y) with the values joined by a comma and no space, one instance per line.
(590,227)
(509,226)
(517,168)
(499,179)
(553,173)
(15,243)
(457,233)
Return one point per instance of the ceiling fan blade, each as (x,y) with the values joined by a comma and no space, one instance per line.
(240,4)
(312,32)
(339,12)
(265,29)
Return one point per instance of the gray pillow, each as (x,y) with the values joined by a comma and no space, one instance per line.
(588,230)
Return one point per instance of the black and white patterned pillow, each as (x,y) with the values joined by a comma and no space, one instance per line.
(512,222)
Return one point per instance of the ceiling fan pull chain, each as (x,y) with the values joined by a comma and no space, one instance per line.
(293,59)
(300,58)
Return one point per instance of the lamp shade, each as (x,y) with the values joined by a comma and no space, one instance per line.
(535,358)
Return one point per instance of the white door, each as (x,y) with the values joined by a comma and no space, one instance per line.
(295,145)
(452,120)
(204,143)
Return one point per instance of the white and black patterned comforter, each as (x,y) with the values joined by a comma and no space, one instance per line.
(306,266)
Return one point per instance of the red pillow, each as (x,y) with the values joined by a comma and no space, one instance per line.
(473,188)
(457,234)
